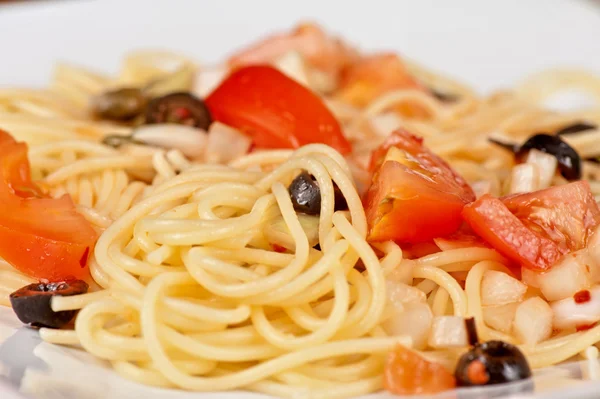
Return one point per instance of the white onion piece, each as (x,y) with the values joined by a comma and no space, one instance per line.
(292,64)
(546,166)
(501,317)
(533,321)
(208,78)
(529,277)
(498,288)
(448,332)
(398,292)
(414,320)
(481,187)
(385,123)
(190,141)
(566,277)
(524,178)
(225,143)
(570,314)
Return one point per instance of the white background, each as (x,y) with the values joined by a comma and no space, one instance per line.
(487,43)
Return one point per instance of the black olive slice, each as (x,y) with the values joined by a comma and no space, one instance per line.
(490,363)
(119,105)
(306,195)
(31,303)
(181,108)
(569,161)
(576,128)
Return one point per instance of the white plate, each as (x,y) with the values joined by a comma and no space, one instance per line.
(486,44)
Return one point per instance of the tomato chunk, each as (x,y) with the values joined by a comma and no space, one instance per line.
(566,214)
(415,195)
(372,76)
(536,229)
(274,110)
(42,237)
(407,373)
(319,49)
(494,222)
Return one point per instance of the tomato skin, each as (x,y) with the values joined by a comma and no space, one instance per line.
(276,111)
(42,237)
(416,200)
(492,220)
(407,373)
(566,214)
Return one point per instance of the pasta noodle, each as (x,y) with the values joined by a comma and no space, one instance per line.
(187,290)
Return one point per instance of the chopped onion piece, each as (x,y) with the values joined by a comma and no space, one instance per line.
(385,123)
(225,143)
(524,179)
(276,231)
(568,313)
(501,317)
(190,141)
(566,277)
(398,292)
(292,64)
(481,187)
(448,332)
(546,167)
(498,288)
(529,277)
(413,320)
(533,321)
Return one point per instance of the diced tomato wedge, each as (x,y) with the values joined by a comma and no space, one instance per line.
(415,195)
(320,50)
(274,110)
(42,237)
(407,373)
(493,221)
(536,229)
(372,76)
(566,214)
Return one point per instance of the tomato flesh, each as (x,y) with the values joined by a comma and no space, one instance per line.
(275,110)
(407,373)
(416,197)
(536,229)
(40,236)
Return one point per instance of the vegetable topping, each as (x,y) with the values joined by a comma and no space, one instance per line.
(32,303)
(306,195)
(180,108)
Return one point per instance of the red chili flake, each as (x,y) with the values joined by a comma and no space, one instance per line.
(278,248)
(182,113)
(585,327)
(582,296)
(476,373)
(84,257)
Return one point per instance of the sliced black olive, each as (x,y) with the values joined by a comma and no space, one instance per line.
(569,161)
(119,105)
(576,128)
(444,97)
(181,108)
(306,195)
(31,303)
(491,362)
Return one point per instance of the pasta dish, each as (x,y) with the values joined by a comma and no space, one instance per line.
(304,220)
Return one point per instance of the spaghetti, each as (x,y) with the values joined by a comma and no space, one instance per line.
(189,290)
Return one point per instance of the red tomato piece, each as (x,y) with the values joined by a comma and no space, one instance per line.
(415,195)
(319,49)
(566,214)
(536,229)
(407,373)
(276,111)
(493,221)
(42,237)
